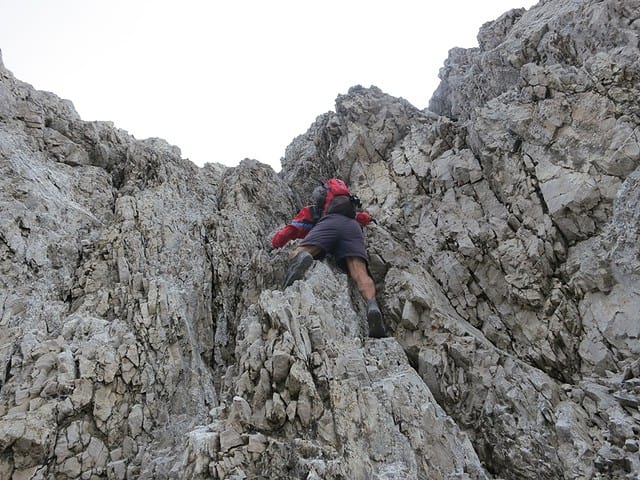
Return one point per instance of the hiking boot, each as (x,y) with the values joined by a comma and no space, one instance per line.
(374,318)
(297,268)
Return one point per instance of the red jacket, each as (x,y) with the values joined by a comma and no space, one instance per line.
(302,223)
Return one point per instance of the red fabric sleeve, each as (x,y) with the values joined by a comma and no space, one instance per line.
(286,234)
(298,228)
(304,216)
(363,218)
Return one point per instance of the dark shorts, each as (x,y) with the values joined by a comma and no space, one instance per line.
(338,235)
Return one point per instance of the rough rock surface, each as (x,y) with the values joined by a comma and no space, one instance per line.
(143,333)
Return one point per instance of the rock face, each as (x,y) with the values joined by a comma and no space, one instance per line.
(144,333)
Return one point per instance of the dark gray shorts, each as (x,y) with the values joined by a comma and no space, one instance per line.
(338,235)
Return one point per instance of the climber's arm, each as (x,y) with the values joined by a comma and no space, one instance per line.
(363,218)
(298,228)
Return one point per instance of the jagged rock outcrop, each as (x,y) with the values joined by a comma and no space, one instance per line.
(144,333)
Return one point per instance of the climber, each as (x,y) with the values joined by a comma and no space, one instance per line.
(331,224)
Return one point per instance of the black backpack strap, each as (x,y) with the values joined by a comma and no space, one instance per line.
(356,201)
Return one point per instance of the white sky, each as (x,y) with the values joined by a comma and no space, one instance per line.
(226,80)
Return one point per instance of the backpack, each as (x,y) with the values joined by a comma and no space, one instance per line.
(334,197)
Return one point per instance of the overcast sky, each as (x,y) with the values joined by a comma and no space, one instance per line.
(235,79)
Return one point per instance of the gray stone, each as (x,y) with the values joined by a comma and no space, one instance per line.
(229,439)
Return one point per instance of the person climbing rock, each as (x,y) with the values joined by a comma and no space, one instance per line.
(331,224)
